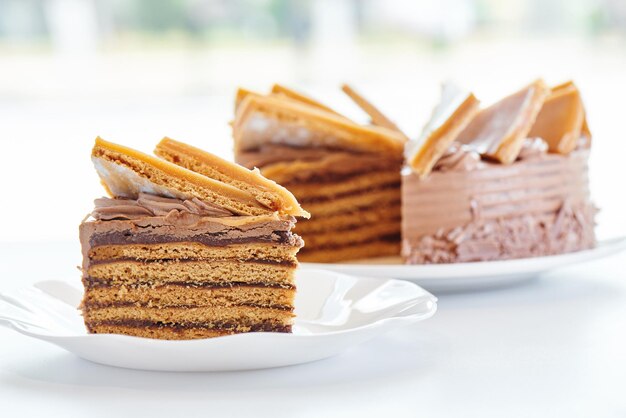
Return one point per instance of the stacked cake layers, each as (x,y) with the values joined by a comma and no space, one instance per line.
(177,255)
(492,192)
(346,175)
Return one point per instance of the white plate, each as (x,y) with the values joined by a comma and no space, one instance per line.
(467,276)
(334,312)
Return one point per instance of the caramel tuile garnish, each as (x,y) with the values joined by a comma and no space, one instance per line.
(125,172)
(498,131)
(567,85)
(338,132)
(280,90)
(266,191)
(241,94)
(378,118)
(560,120)
(455,111)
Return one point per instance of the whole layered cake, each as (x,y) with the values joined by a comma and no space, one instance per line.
(507,181)
(345,174)
(176,254)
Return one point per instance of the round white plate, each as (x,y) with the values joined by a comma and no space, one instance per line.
(334,311)
(467,276)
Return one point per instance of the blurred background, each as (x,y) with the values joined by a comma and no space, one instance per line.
(133,71)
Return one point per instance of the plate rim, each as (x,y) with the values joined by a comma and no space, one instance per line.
(476,269)
(396,319)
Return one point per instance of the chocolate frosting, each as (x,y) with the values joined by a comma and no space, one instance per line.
(538,205)
(533,148)
(458,157)
(151,205)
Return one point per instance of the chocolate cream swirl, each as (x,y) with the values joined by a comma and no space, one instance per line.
(532,148)
(458,157)
(150,205)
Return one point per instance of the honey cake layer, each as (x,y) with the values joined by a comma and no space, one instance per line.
(198,272)
(313,191)
(353,236)
(247,315)
(267,253)
(393,187)
(343,221)
(383,197)
(330,169)
(183,295)
(268,154)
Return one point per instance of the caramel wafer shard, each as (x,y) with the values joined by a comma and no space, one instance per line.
(125,172)
(560,120)
(378,118)
(263,120)
(278,89)
(569,85)
(498,131)
(455,111)
(265,191)
(241,94)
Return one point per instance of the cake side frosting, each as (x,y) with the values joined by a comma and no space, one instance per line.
(538,205)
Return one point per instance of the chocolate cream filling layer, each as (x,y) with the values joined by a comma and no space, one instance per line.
(150,205)
(538,205)
(92,283)
(100,305)
(153,220)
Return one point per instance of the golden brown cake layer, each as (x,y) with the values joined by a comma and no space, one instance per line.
(266,253)
(330,169)
(352,203)
(344,221)
(203,273)
(248,315)
(189,295)
(363,183)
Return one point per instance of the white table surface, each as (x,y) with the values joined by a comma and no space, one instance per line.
(552,347)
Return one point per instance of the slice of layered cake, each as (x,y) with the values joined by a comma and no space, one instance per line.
(174,254)
(345,174)
(508,181)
